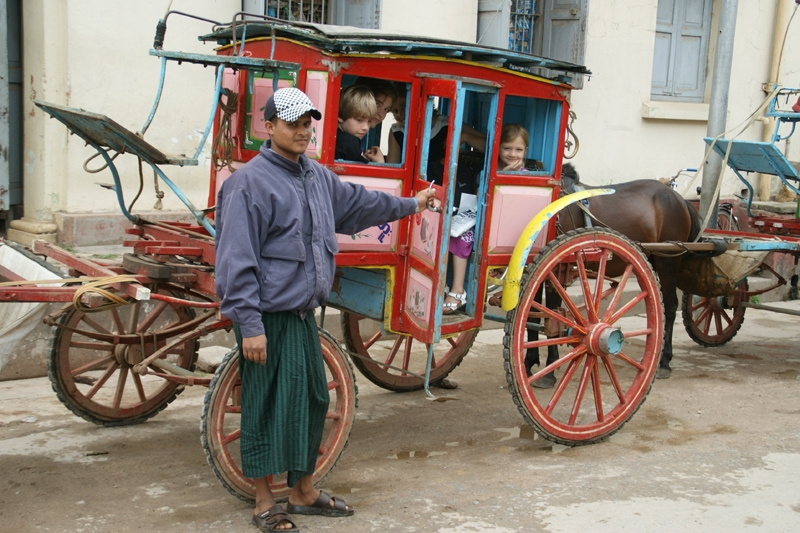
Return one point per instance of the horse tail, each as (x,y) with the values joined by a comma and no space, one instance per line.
(697,221)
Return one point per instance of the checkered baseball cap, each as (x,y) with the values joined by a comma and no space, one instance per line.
(289,104)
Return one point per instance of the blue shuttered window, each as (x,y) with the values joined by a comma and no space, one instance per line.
(680,54)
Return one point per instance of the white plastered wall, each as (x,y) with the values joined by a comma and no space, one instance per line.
(617,142)
(445,19)
(94,55)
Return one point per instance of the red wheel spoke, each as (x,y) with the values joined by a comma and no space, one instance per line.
(333,415)
(133,317)
(618,290)
(583,384)
(137,382)
(562,386)
(627,307)
(94,365)
(333,384)
(601,278)
(630,361)
(233,409)
(567,300)
(372,340)
(120,389)
(612,375)
(407,353)
(572,356)
(100,382)
(591,310)
(94,325)
(151,317)
(704,320)
(720,315)
(598,395)
(96,346)
(118,321)
(393,352)
(557,317)
(555,341)
(230,437)
(701,302)
(638,333)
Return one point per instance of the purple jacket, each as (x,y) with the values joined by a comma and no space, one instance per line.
(276,234)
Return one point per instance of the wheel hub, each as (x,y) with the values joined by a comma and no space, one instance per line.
(128,355)
(604,339)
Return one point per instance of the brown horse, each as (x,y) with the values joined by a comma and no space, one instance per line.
(643,211)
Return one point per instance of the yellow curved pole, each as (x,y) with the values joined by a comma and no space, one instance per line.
(520,256)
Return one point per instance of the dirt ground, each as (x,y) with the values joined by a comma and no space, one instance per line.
(714,448)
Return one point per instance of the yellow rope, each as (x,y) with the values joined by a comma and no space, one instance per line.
(112,300)
(96,285)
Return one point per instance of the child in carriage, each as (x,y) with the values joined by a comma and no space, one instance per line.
(357,108)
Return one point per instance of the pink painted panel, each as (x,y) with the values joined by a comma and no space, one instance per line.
(317,91)
(224,174)
(381,238)
(425,236)
(262,90)
(514,206)
(418,298)
(230,80)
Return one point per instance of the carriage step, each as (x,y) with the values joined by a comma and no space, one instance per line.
(102,132)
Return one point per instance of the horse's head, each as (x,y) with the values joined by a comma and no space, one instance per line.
(569,177)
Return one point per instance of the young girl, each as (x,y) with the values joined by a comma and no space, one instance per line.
(511,157)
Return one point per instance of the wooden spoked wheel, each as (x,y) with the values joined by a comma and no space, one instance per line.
(608,354)
(714,321)
(93,354)
(379,351)
(221,418)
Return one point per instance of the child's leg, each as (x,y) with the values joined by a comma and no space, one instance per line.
(459,274)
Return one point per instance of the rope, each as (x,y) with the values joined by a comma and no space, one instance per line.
(96,170)
(113,300)
(223,144)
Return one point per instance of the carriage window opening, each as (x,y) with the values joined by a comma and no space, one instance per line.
(259,89)
(374,143)
(541,120)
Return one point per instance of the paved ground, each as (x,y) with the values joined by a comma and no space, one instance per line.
(714,448)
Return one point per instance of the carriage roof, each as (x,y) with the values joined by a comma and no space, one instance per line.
(351,40)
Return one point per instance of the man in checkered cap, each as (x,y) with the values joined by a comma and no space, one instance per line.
(277,219)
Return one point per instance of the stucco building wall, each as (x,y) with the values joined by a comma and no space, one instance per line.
(94,54)
(617,142)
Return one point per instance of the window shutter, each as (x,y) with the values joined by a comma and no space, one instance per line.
(564,32)
(681,49)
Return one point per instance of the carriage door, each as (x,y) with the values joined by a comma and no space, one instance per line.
(428,241)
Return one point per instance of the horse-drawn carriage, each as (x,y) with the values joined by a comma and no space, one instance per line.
(126,340)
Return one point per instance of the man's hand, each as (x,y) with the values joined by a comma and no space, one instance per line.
(255,349)
(425,197)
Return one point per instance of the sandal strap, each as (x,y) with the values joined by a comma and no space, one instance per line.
(338,503)
(462,297)
(274,516)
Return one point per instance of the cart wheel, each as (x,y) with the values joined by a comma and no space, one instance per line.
(94,378)
(714,321)
(607,361)
(364,337)
(221,418)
